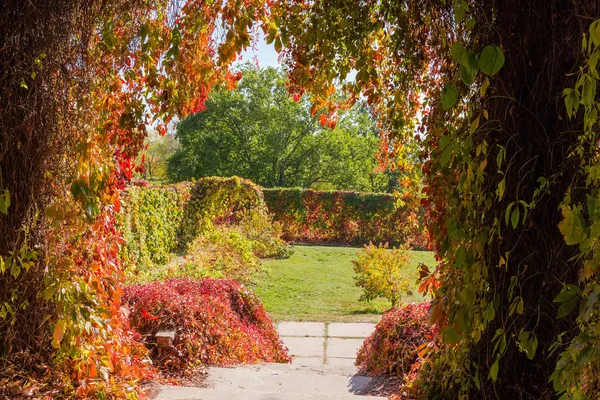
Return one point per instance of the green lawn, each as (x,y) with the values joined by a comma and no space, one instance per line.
(317,284)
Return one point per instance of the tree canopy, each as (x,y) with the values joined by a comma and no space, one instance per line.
(258,131)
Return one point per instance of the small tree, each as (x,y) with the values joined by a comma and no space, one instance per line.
(380,272)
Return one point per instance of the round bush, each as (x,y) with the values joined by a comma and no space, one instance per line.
(218,323)
(399,339)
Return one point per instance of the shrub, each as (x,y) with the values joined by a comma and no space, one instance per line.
(150,222)
(217,201)
(400,344)
(158,220)
(223,252)
(218,323)
(346,217)
(258,226)
(226,253)
(379,272)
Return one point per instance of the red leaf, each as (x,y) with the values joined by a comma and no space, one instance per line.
(148,316)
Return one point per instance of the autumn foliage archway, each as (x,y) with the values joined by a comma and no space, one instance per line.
(506,164)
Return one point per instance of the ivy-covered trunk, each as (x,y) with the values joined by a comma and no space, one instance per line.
(498,225)
(30,139)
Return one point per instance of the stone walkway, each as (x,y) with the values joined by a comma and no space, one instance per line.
(322,369)
(317,343)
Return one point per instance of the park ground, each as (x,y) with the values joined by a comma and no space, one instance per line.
(317,284)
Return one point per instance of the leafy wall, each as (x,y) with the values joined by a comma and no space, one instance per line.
(346,217)
(158,220)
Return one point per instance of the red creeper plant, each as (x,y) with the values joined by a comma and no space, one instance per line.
(218,322)
(83,81)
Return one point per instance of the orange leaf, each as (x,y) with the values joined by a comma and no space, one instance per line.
(93,372)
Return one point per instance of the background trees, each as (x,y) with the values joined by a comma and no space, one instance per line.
(156,155)
(259,132)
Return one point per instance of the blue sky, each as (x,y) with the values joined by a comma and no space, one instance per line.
(266,54)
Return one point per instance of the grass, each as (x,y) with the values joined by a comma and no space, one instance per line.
(317,284)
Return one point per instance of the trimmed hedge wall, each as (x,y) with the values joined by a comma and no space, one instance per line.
(339,217)
(157,220)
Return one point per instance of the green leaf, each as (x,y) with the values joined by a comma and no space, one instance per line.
(49,291)
(446,154)
(595,32)
(572,226)
(494,370)
(507,213)
(565,308)
(572,101)
(569,292)
(450,336)
(108,36)
(444,141)
(490,312)
(528,342)
(469,68)
(461,256)
(457,234)
(591,301)
(458,51)
(491,60)
(465,76)
(4,201)
(514,217)
(588,93)
(460,8)
(449,96)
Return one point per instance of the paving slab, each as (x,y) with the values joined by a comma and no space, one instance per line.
(290,379)
(308,361)
(301,329)
(304,346)
(350,330)
(340,362)
(174,393)
(343,348)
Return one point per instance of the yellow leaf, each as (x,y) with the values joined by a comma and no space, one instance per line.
(483,165)
(59,332)
(486,115)
(572,226)
(501,188)
(484,87)
(474,126)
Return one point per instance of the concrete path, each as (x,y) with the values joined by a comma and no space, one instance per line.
(322,369)
(317,343)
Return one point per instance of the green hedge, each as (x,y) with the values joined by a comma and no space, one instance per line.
(157,220)
(346,217)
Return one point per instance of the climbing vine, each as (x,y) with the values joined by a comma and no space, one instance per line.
(82,83)
(482,82)
(487,94)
